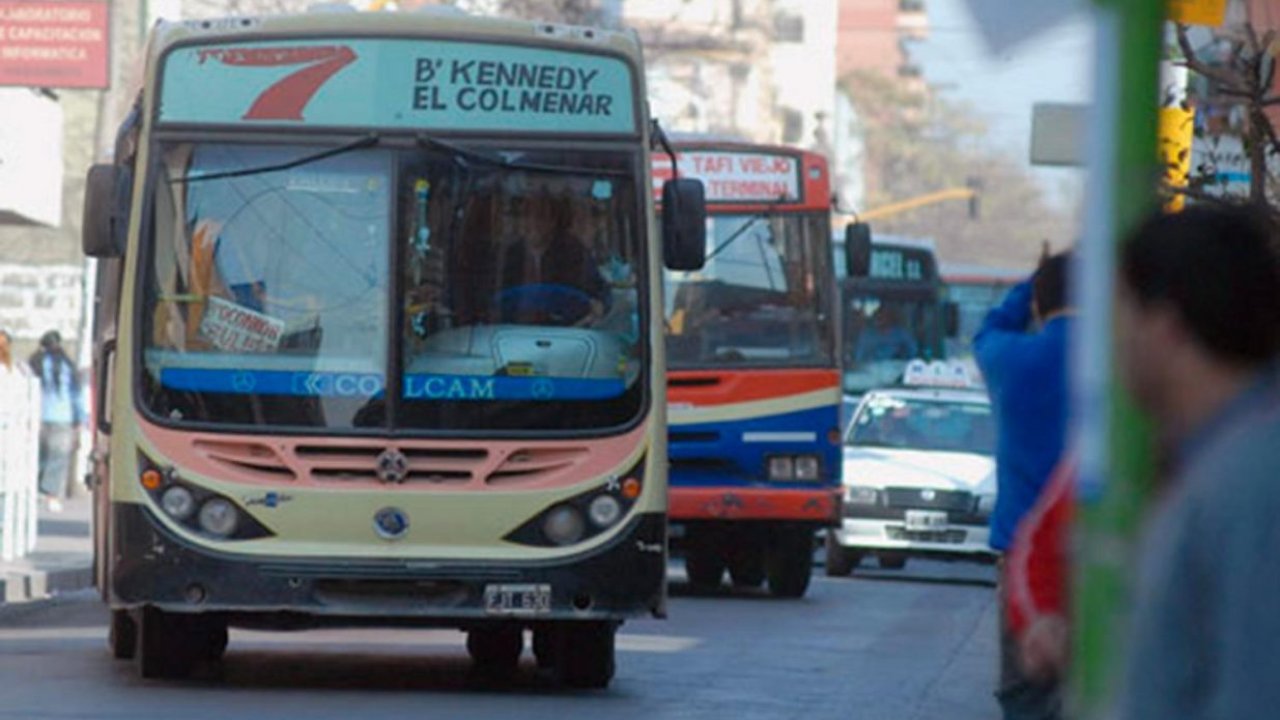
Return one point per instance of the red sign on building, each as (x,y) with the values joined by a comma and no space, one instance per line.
(54,44)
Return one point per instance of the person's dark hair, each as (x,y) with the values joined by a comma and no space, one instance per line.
(51,347)
(1051,286)
(1217,267)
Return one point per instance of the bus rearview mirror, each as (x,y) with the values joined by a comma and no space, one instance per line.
(951,319)
(106,199)
(857,249)
(684,224)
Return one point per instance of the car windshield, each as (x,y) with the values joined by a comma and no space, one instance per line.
(886,421)
(763,298)
(294,288)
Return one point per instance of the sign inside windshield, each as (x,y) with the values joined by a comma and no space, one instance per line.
(899,263)
(735,177)
(398,84)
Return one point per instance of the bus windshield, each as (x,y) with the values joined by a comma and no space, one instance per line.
(389,287)
(760,299)
(883,333)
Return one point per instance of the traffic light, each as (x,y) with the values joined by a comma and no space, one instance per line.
(975,186)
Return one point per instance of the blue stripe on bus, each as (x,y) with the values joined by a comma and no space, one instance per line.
(417,386)
(716,453)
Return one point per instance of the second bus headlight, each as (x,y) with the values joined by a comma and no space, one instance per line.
(807,467)
(564,525)
(178,502)
(604,511)
(218,517)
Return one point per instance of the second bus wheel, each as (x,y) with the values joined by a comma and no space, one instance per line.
(496,650)
(746,567)
(789,562)
(840,560)
(122,635)
(584,653)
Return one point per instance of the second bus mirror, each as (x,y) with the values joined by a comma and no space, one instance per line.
(106,197)
(684,224)
(857,249)
(951,319)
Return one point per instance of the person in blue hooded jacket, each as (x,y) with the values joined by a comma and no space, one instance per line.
(1021,349)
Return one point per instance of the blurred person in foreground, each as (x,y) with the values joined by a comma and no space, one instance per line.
(1198,332)
(1021,349)
(62,415)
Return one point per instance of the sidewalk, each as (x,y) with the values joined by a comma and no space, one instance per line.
(63,558)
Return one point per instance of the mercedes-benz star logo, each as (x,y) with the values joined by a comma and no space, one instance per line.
(393,466)
(391,523)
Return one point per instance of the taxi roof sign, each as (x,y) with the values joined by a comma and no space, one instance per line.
(939,374)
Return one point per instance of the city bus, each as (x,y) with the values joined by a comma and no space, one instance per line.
(373,343)
(753,386)
(892,308)
(975,289)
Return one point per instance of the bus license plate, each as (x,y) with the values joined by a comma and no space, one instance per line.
(527,599)
(924,520)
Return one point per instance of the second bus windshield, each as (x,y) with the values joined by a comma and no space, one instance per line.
(762,299)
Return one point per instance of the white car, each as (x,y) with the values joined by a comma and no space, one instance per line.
(919,478)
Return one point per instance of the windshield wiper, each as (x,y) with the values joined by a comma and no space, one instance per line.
(745,226)
(367,141)
(482,157)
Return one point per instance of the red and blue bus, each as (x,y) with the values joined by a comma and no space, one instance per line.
(753,379)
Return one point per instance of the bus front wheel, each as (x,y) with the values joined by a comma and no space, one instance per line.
(170,645)
(579,654)
(122,636)
(789,562)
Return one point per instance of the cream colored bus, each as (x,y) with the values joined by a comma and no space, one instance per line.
(378,341)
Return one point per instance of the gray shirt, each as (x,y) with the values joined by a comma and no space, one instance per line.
(1206,616)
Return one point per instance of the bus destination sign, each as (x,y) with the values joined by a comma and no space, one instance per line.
(398,84)
(735,177)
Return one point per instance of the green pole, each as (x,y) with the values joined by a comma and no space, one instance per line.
(1123,176)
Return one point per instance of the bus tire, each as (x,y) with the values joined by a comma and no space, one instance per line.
(122,635)
(746,567)
(840,561)
(705,567)
(789,562)
(585,654)
(496,650)
(165,649)
(891,560)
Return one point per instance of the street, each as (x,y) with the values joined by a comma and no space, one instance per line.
(918,643)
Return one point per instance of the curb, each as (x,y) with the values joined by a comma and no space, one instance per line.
(26,586)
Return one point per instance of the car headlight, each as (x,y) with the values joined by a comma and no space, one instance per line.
(862,495)
(986,504)
(218,517)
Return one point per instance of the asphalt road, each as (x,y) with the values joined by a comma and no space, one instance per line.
(918,643)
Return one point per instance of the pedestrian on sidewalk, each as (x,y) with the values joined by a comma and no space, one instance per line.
(1021,349)
(62,415)
(1198,333)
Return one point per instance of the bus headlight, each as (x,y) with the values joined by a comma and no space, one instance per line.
(807,467)
(604,511)
(782,467)
(564,525)
(218,517)
(861,495)
(178,502)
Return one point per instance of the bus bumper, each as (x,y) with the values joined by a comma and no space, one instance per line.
(820,506)
(153,567)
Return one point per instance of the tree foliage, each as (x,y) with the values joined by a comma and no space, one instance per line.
(917,143)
